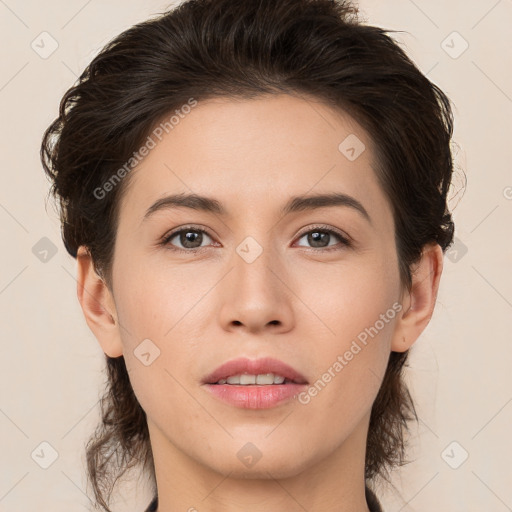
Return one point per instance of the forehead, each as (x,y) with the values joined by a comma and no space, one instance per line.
(254,153)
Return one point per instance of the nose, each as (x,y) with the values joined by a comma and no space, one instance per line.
(254,295)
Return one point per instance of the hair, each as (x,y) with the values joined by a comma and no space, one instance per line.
(206,49)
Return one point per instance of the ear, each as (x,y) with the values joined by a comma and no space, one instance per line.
(418,303)
(98,305)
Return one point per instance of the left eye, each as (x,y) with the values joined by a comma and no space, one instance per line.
(318,237)
(191,239)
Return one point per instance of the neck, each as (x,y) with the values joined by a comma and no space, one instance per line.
(333,483)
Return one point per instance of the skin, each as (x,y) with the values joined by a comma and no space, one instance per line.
(203,309)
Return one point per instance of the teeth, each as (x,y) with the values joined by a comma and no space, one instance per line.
(248,380)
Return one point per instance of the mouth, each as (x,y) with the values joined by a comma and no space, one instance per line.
(255,384)
(260,372)
(263,379)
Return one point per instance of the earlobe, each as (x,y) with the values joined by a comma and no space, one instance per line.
(97,305)
(420,300)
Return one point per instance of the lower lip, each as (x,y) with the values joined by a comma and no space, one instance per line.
(256,396)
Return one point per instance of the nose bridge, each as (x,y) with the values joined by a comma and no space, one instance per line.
(255,259)
(255,249)
(252,294)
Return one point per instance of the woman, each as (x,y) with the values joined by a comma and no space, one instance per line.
(255,193)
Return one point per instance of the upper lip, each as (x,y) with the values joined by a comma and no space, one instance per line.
(254,367)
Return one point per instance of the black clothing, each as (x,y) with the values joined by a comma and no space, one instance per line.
(152,505)
(371,499)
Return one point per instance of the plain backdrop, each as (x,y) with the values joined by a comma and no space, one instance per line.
(51,366)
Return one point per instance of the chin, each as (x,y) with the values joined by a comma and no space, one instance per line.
(271,465)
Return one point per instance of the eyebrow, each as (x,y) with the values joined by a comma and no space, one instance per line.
(295,204)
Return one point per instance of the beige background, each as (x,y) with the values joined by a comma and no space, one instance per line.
(51,365)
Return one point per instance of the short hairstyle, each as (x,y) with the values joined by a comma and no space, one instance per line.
(206,49)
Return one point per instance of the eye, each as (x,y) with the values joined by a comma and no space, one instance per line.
(320,236)
(190,239)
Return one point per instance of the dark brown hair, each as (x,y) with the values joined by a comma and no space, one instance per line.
(242,49)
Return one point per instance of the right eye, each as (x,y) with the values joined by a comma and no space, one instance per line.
(190,239)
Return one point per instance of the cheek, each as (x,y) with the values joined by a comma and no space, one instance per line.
(350,296)
(351,363)
(158,308)
(357,309)
(149,300)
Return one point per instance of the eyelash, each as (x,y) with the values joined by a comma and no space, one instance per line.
(345,241)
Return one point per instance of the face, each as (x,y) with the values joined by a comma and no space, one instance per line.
(314,287)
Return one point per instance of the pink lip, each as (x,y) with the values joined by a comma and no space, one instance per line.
(255,396)
(254,367)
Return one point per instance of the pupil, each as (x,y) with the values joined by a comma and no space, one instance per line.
(189,236)
(315,238)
